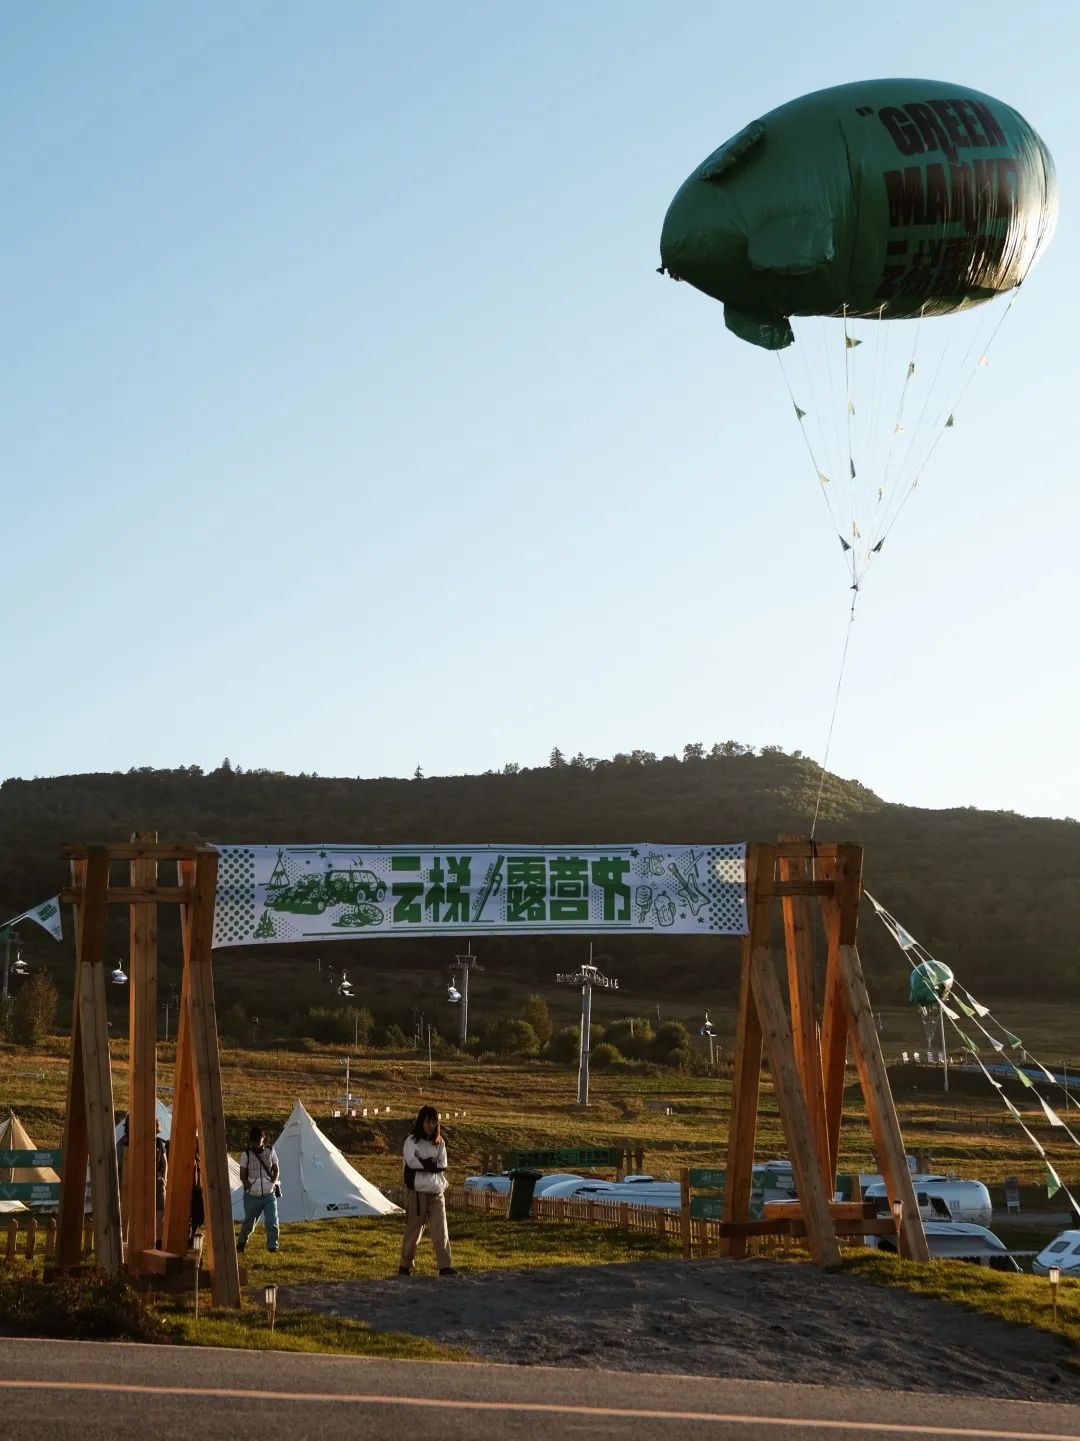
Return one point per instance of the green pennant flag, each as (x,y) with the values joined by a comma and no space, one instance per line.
(1014,1041)
(950,423)
(968,1042)
(965,1008)
(852,464)
(1053,1181)
(799,413)
(1023,1077)
(852,342)
(911,367)
(876,549)
(844,543)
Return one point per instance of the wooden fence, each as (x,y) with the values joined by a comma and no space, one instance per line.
(37,1235)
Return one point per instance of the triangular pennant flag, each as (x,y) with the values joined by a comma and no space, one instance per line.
(911,367)
(47,916)
(1053,1181)
(899,430)
(843,542)
(851,342)
(823,477)
(950,423)
(965,1008)
(1051,1115)
(852,464)
(1022,1077)
(984,360)
(850,406)
(1013,1041)
(968,1042)
(1046,1073)
(876,548)
(905,941)
(1011,1107)
(952,1015)
(799,413)
(856,532)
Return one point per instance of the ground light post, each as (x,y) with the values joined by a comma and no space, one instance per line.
(586,978)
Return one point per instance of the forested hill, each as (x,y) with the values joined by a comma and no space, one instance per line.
(995,894)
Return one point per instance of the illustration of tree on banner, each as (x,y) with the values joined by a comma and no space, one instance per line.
(265,928)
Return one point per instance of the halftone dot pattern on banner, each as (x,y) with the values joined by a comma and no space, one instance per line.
(726,888)
(234,910)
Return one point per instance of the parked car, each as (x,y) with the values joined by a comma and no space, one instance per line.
(1063,1252)
(500,1182)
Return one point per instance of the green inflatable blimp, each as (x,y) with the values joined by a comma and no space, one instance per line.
(885,199)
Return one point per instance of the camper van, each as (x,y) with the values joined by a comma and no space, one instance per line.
(943,1197)
(1062,1252)
(499,1182)
(637,1190)
(958,1241)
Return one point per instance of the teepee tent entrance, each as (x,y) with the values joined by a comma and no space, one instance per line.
(317,1182)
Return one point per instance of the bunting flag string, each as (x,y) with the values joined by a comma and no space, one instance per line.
(916,954)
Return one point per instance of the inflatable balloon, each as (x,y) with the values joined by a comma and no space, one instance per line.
(883,199)
(930,982)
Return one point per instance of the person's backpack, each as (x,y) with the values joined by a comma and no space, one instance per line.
(408,1178)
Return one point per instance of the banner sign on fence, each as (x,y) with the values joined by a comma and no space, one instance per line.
(567,1156)
(336,892)
(33,1193)
(38,1160)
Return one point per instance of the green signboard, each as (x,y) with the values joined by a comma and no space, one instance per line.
(33,1193)
(37,1159)
(707,1208)
(707,1176)
(568,1156)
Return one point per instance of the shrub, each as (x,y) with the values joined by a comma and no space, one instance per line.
(34,1011)
(680,1058)
(672,1036)
(511,1038)
(538,1015)
(604,1057)
(565,1044)
(89,1307)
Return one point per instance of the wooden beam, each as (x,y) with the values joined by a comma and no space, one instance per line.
(69,1230)
(140,1163)
(794,1117)
(805,850)
(213,1152)
(884,1124)
(97,1072)
(185,1109)
(840,1210)
(840,918)
(157,1262)
(126,895)
(800,887)
(746,1076)
(123,851)
(802,993)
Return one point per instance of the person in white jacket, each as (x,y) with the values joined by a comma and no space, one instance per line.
(424,1155)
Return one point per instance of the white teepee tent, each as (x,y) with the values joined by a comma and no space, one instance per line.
(164,1120)
(13,1137)
(317,1183)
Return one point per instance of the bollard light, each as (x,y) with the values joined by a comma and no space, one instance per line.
(197,1247)
(898,1213)
(270,1297)
(1053,1274)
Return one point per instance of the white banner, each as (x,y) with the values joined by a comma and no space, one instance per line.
(336,892)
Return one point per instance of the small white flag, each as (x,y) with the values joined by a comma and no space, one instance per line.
(47,915)
(1051,1115)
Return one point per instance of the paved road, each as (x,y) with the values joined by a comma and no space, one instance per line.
(65,1390)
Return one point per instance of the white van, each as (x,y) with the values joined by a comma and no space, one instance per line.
(958,1241)
(1063,1252)
(500,1183)
(637,1190)
(945,1196)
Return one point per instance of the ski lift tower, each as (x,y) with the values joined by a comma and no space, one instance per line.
(465,963)
(587,977)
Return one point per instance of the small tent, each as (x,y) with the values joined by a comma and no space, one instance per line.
(317,1182)
(13,1137)
(164,1120)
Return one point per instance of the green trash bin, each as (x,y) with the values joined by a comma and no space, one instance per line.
(522,1186)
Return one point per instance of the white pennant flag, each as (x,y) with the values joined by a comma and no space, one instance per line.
(1051,1115)
(47,915)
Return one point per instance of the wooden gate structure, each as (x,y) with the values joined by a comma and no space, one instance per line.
(807,1052)
(806,1048)
(198,1117)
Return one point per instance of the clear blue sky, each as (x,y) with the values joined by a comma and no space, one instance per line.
(346,424)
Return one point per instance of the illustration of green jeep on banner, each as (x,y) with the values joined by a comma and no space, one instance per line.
(312,894)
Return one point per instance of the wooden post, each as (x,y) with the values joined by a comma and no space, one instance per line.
(97,1073)
(746,1078)
(880,1109)
(185,1112)
(140,1163)
(204,1041)
(802,990)
(805,1162)
(69,1247)
(840,917)
(684,1198)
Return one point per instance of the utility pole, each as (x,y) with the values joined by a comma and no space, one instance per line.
(7,960)
(587,977)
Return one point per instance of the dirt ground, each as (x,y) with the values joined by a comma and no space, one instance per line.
(755,1319)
